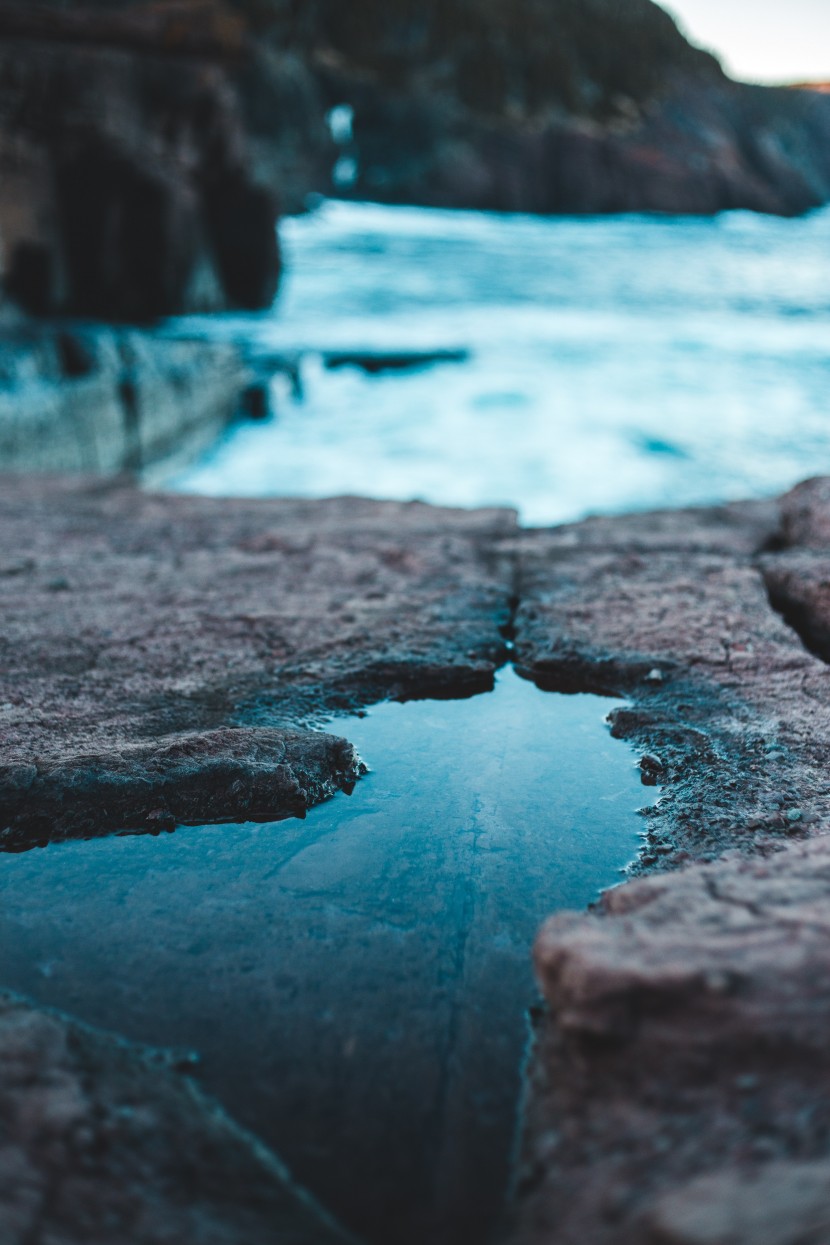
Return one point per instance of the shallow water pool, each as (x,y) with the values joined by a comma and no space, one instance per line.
(357,984)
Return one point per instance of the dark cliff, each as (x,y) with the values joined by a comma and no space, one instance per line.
(146,150)
(551,106)
(144,157)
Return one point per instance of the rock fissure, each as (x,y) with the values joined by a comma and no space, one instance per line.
(647,607)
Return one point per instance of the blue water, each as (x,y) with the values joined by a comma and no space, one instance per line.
(618,364)
(356,984)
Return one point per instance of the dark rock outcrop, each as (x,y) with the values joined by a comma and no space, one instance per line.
(558,106)
(145,149)
(143,159)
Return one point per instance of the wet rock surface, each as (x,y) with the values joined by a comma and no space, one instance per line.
(104,1143)
(673,609)
(678,1084)
(138,628)
(100,400)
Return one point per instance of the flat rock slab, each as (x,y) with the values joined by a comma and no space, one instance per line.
(161,656)
(678,611)
(167,658)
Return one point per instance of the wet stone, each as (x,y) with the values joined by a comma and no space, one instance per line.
(357,985)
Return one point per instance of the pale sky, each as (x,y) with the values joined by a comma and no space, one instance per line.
(761,40)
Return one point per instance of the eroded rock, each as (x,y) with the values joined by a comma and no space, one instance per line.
(180,617)
(679,1090)
(105,1143)
(684,1055)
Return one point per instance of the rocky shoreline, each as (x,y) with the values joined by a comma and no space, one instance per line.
(166,657)
(102,400)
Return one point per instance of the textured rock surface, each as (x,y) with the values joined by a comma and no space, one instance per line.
(103,401)
(137,628)
(173,651)
(679,1090)
(673,610)
(683,1082)
(102,1144)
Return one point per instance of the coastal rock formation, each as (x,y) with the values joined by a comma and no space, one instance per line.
(679,1083)
(105,400)
(558,106)
(680,1091)
(174,652)
(146,149)
(143,157)
(138,628)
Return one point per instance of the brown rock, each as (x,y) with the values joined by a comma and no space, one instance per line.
(680,1081)
(104,1143)
(179,617)
(686,1041)
(192,643)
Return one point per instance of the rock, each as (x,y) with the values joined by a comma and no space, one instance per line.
(138,178)
(225,775)
(202,634)
(684,1069)
(374,362)
(105,1142)
(565,106)
(677,1086)
(605,602)
(102,401)
(682,1057)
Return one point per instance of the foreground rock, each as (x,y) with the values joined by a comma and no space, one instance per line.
(138,629)
(174,652)
(103,1143)
(680,1091)
(680,1083)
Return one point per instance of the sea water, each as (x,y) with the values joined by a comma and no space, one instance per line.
(616,363)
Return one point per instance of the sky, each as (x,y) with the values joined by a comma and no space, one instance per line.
(761,40)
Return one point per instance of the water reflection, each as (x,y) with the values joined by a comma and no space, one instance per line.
(356,984)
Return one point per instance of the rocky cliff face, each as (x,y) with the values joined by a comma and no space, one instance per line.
(555,106)
(145,149)
(143,158)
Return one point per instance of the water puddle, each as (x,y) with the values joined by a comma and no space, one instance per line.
(357,984)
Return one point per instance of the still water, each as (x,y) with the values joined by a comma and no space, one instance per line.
(617,364)
(357,984)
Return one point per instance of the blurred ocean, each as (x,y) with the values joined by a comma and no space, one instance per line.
(616,364)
